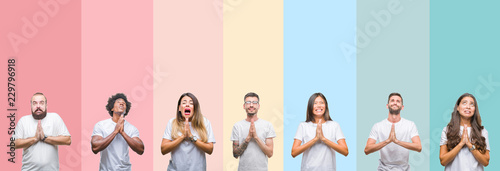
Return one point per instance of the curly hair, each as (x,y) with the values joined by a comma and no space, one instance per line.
(111,103)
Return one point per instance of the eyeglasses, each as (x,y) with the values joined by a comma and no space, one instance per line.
(251,102)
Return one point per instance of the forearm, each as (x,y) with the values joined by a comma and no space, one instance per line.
(239,149)
(410,146)
(134,143)
(203,146)
(167,145)
(446,156)
(342,149)
(370,148)
(299,149)
(484,159)
(266,148)
(100,144)
(24,143)
(58,140)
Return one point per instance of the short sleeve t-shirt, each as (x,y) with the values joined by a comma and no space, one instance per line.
(393,156)
(464,159)
(41,155)
(115,157)
(187,157)
(253,159)
(319,157)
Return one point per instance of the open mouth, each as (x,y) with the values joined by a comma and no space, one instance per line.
(187,111)
(319,110)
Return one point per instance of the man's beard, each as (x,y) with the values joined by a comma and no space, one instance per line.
(39,117)
(251,114)
(394,111)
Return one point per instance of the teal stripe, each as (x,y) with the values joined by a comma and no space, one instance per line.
(464,58)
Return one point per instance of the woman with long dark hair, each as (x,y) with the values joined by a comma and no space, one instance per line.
(319,137)
(188,137)
(464,141)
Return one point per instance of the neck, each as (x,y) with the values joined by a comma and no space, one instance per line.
(317,118)
(394,118)
(115,117)
(465,121)
(251,117)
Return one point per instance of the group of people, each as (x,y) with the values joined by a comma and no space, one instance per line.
(188,137)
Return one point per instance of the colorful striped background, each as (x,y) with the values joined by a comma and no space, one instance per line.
(79,53)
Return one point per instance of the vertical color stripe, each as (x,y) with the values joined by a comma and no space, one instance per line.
(187,58)
(253,62)
(316,37)
(393,56)
(464,59)
(44,38)
(117,57)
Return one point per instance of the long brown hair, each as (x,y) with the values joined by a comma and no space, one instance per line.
(196,121)
(310,108)
(453,128)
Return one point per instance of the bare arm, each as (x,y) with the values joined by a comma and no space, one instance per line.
(446,156)
(134,143)
(25,143)
(98,143)
(58,140)
(299,149)
(206,147)
(484,159)
(267,148)
(168,146)
(373,146)
(341,147)
(239,149)
(414,145)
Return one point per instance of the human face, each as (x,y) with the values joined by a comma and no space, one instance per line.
(38,107)
(319,106)
(119,107)
(251,105)
(186,107)
(395,105)
(467,107)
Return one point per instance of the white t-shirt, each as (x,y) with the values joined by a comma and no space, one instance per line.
(464,159)
(393,156)
(253,158)
(115,156)
(41,155)
(319,156)
(188,157)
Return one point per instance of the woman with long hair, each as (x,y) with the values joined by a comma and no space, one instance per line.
(464,141)
(316,137)
(188,136)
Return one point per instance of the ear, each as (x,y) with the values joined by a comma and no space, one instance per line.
(402,107)
(387,106)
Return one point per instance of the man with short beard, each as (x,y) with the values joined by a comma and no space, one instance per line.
(39,134)
(252,137)
(395,136)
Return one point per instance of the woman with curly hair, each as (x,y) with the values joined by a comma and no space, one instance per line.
(464,141)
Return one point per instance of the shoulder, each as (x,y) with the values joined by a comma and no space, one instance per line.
(239,123)
(484,132)
(129,124)
(205,120)
(54,116)
(332,123)
(25,118)
(103,122)
(406,121)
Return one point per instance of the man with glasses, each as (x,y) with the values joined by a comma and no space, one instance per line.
(252,137)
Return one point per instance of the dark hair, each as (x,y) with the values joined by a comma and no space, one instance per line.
(453,128)
(251,94)
(38,93)
(111,103)
(394,94)
(310,108)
